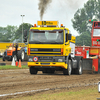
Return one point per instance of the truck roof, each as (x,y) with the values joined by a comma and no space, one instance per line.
(48,28)
(48,25)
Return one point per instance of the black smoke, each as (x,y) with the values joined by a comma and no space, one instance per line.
(43,4)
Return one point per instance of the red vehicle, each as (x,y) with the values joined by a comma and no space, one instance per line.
(91,55)
(11,52)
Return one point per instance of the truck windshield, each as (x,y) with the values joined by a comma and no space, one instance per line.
(46,37)
(96,32)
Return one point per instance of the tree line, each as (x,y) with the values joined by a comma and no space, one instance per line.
(11,33)
(80,22)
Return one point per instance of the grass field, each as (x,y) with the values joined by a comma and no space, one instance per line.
(82,94)
(12,67)
(0,57)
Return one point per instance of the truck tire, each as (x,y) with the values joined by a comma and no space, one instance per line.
(33,70)
(69,69)
(21,54)
(79,70)
(3,59)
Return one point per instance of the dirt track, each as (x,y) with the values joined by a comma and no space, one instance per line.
(20,80)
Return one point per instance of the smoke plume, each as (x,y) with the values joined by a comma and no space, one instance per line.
(43,6)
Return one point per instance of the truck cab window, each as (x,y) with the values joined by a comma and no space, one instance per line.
(46,37)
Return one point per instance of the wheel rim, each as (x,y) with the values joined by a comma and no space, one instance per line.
(69,69)
(80,68)
(22,56)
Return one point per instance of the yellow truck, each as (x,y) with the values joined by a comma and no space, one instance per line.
(52,48)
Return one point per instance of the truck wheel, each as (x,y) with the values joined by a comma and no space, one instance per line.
(21,54)
(79,70)
(33,70)
(69,69)
(3,59)
(26,57)
(4,56)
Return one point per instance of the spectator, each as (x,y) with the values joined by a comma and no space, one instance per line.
(16,47)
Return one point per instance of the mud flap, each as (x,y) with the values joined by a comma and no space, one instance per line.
(87,64)
(99,66)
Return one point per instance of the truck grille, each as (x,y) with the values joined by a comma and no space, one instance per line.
(45,51)
(45,59)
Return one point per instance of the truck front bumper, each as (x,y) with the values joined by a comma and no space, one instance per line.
(48,64)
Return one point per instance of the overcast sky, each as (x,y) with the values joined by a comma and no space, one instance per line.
(60,10)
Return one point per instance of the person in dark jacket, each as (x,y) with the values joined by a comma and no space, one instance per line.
(16,47)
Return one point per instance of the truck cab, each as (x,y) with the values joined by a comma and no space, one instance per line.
(51,48)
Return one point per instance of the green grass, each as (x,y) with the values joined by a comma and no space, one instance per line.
(83,94)
(4,67)
(0,57)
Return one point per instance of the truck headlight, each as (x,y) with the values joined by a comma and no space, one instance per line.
(60,60)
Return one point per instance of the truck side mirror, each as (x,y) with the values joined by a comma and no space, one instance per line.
(25,35)
(69,36)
